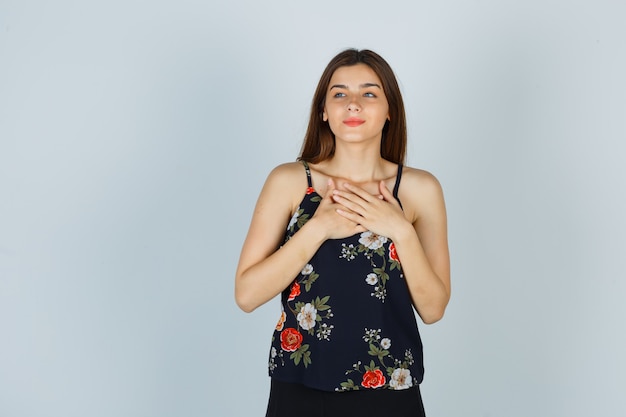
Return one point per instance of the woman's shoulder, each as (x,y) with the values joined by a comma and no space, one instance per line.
(420,179)
(420,191)
(287,180)
(289,173)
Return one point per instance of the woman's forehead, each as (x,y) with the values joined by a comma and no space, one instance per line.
(354,76)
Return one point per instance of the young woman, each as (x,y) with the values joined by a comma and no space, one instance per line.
(354,241)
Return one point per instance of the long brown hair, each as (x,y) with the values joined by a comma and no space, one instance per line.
(319,141)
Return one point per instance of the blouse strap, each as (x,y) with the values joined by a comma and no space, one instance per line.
(308,173)
(397,185)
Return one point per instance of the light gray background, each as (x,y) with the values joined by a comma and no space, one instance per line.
(136,135)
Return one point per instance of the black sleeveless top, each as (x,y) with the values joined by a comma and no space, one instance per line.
(347,320)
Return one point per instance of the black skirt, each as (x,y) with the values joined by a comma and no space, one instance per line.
(289,400)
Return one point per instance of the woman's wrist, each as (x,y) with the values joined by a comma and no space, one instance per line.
(316,234)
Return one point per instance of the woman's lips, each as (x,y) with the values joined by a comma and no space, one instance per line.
(353,121)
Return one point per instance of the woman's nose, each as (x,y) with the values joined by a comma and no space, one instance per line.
(354,105)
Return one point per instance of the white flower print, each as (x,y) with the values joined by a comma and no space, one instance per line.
(323,333)
(273,352)
(307,316)
(380,292)
(371,240)
(308,268)
(373,247)
(408,356)
(401,379)
(371,335)
(348,252)
(385,343)
(294,218)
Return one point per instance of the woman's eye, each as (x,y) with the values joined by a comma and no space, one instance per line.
(339,95)
(369,95)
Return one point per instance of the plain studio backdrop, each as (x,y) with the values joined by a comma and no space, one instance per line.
(135,137)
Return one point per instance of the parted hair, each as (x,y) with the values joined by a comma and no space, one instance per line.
(319,140)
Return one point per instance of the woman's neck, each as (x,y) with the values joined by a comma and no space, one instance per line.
(358,164)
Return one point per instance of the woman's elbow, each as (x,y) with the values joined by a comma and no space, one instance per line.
(245,307)
(432,316)
(431,319)
(244,302)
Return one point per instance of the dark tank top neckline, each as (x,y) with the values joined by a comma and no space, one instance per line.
(312,189)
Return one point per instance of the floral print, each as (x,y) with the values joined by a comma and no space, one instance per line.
(308,315)
(371,279)
(401,379)
(275,355)
(394,260)
(290,339)
(362,274)
(372,241)
(372,376)
(385,343)
(371,246)
(308,276)
(348,252)
(281,321)
(295,291)
(323,332)
(393,255)
(373,379)
(294,219)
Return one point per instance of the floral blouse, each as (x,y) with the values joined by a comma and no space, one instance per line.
(347,320)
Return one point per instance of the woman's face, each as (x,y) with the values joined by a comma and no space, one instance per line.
(356,106)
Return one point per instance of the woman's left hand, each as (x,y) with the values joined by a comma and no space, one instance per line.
(381,213)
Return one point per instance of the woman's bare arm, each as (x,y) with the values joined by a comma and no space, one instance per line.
(419,234)
(423,248)
(265,268)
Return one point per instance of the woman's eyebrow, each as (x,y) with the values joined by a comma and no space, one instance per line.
(365,85)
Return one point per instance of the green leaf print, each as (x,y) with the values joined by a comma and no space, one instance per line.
(349,384)
(302,354)
(320,304)
(302,219)
(309,281)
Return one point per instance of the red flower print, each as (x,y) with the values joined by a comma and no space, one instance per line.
(291,339)
(310,190)
(393,255)
(295,291)
(373,379)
